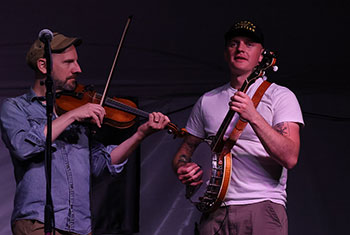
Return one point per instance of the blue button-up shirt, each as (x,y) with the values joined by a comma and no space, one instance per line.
(23,120)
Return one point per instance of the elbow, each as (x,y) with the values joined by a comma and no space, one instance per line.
(289,157)
(288,161)
(290,165)
(291,162)
(26,151)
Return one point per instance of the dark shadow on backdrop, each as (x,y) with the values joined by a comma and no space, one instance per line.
(115,199)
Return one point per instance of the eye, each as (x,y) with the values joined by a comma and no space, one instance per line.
(232,44)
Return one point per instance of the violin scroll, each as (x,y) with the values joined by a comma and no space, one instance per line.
(177,132)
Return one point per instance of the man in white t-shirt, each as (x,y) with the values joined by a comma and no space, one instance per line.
(255,202)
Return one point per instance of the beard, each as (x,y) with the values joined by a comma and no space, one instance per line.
(68,85)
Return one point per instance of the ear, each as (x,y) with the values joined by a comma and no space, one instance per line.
(41,64)
(261,54)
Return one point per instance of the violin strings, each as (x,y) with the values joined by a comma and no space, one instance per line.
(127,108)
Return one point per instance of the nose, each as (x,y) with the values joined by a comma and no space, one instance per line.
(76,68)
(241,46)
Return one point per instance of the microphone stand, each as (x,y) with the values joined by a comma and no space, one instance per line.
(49,212)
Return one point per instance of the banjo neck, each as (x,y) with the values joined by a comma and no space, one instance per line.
(269,60)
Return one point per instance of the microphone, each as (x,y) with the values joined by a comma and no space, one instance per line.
(45,35)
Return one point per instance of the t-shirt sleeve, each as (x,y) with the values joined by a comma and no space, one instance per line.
(286,107)
(195,123)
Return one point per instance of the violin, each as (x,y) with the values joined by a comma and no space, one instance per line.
(120,113)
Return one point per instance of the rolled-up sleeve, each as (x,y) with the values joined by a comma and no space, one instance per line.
(101,158)
(23,135)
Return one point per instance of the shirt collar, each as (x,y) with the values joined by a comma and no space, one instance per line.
(31,96)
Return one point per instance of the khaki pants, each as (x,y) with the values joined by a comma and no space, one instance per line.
(263,218)
(34,227)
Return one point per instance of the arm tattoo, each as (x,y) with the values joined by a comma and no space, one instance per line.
(282,128)
(184,159)
(190,144)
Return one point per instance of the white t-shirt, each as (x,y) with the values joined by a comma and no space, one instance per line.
(255,176)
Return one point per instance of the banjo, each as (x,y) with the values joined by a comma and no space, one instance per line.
(219,176)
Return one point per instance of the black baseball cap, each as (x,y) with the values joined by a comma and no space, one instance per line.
(245,28)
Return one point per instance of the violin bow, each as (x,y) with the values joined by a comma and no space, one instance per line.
(172,128)
(104,94)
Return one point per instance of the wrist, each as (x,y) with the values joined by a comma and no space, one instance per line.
(140,135)
(68,117)
(182,160)
(255,119)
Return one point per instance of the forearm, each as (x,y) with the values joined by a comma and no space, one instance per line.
(60,124)
(281,142)
(124,150)
(181,157)
(185,152)
(156,121)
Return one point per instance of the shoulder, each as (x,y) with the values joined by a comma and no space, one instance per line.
(280,90)
(220,93)
(285,105)
(277,92)
(217,91)
(15,100)
(12,103)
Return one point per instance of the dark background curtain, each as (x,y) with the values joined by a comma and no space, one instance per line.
(116,197)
